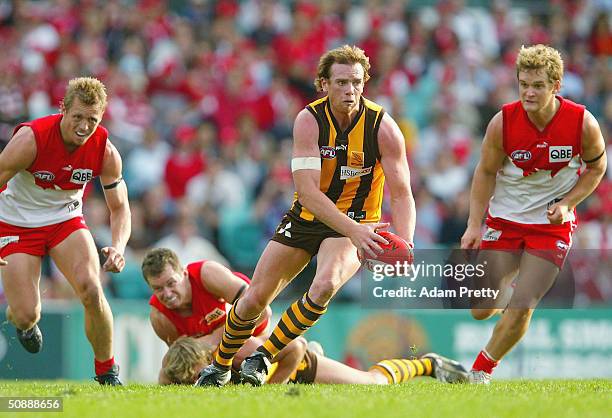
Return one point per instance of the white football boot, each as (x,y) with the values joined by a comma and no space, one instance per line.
(479,377)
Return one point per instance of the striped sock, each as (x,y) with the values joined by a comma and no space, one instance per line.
(402,370)
(297,319)
(237,331)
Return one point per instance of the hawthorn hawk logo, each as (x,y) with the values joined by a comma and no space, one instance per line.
(285,230)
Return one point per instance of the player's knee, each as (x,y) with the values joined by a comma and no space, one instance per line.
(321,291)
(482,314)
(301,345)
(25,318)
(321,296)
(252,304)
(91,294)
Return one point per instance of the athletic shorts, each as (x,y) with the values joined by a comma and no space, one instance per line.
(36,241)
(306,371)
(307,235)
(550,242)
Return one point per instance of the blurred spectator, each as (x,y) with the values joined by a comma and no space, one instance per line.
(443,137)
(144,166)
(447,178)
(195,79)
(187,244)
(12,103)
(184,163)
(453,225)
(214,191)
(158,211)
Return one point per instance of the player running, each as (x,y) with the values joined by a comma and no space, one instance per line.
(344,148)
(43,172)
(541,156)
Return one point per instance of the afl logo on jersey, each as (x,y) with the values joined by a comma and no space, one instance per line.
(44,175)
(329,153)
(520,155)
(81,175)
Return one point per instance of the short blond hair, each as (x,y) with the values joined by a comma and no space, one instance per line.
(89,90)
(345,54)
(183,358)
(538,57)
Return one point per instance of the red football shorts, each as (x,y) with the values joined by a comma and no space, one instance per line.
(551,242)
(261,328)
(36,241)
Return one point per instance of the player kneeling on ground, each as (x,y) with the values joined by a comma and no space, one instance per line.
(193,300)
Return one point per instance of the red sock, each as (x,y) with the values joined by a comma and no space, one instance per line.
(484,362)
(103,366)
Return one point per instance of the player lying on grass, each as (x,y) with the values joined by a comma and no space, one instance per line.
(193,301)
(187,356)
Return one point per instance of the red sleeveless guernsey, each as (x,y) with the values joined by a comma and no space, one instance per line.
(51,189)
(541,167)
(208,312)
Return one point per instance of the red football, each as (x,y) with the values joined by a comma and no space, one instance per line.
(398,249)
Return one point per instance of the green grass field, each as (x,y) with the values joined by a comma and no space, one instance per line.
(420,398)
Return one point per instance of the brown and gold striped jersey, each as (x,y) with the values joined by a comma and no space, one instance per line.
(351,172)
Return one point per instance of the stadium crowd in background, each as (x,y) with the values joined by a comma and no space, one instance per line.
(203,95)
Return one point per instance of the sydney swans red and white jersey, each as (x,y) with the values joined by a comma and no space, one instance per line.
(51,189)
(541,167)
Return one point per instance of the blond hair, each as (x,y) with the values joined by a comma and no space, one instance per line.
(345,54)
(156,260)
(90,91)
(183,358)
(538,57)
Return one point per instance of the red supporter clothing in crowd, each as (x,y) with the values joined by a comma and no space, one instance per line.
(208,312)
(180,168)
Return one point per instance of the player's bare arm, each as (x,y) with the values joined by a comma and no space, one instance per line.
(162,326)
(18,155)
(288,360)
(392,148)
(223,284)
(115,193)
(307,183)
(483,184)
(594,156)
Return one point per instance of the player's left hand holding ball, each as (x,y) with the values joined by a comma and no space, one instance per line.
(396,250)
(114,260)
